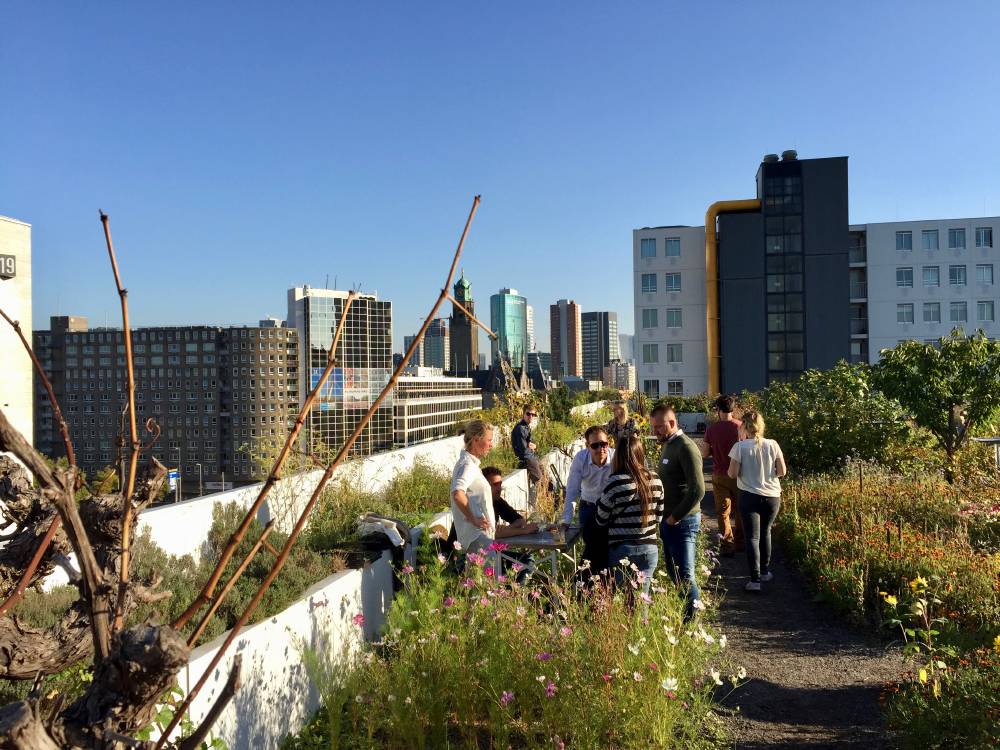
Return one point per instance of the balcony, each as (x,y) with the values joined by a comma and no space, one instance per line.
(859,326)
(859,290)
(857,253)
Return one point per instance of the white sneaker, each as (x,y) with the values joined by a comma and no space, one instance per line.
(766,577)
(752,586)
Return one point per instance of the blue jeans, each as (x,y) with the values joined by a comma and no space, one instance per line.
(679,546)
(643,556)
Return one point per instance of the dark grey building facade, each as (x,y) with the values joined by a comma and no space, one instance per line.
(599,332)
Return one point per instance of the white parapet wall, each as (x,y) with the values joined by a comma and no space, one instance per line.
(586,410)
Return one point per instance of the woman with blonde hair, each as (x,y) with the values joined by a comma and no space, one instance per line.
(756,463)
(471,494)
(621,425)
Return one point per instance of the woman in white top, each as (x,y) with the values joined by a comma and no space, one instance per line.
(757,464)
(471,494)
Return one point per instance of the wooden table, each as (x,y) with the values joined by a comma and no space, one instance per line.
(543,541)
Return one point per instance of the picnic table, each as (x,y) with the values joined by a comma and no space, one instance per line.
(545,541)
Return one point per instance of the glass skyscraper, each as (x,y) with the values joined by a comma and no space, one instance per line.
(509,320)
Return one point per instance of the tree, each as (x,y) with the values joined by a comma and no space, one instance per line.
(949,389)
(826,416)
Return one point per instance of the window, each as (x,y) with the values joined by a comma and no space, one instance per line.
(675,387)
(673,249)
(932,276)
(648,283)
(904,240)
(959,312)
(984,273)
(904,313)
(650,318)
(904,277)
(956,239)
(675,318)
(651,388)
(956,275)
(984,311)
(929,239)
(650,354)
(932,312)
(673,282)
(647,248)
(984,236)
(675,353)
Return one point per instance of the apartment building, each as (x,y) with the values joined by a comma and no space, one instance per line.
(566,339)
(15,300)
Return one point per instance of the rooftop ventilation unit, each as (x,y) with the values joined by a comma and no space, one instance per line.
(770,158)
(789,155)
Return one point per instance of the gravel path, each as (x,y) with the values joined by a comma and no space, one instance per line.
(812,682)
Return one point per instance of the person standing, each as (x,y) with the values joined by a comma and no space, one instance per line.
(471,495)
(621,424)
(720,437)
(524,448)
(680,471)
(631,507)
(757,465)
(588,474)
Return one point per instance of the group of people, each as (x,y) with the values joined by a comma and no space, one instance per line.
(625,508)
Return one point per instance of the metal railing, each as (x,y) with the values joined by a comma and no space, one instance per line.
(857,254)
(859,289)
(859,325)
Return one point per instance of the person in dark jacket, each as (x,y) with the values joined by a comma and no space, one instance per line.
(524,448)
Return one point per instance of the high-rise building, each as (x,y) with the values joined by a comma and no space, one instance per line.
(365,357)
(566,339)
(429,407)
(482,361)
(600,342)
(464,333)
(620,374)
(417,360)
(15,300)
(540,362)
(529,315)
(626,346)
(437,345)
(508,319)
(211,391)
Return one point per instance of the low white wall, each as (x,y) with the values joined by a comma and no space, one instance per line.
(585,410)
(277,695)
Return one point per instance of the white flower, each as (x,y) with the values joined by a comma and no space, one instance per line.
(624,561)
(408,700)
(722,641)
(669,683)
(714,674)
(540,678)
(698,604)
(637,677)
(457,546)
(634,648)
(706,570)
(391,697)
(672,639)
(741,673)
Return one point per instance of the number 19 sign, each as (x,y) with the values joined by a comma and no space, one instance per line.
(8,267)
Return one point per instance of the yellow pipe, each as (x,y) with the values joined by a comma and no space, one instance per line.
(712,281)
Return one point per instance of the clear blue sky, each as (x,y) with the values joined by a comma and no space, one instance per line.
(242,148)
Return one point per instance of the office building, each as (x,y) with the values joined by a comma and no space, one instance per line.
(540,362)
(799,287)
(600,342)
(464,334)
(620,374)
(417,358)
(215,393)
(566,339)
(365,357)
(429,406)
(626,346)
(508,320)
(437,345)
(483,365)
(529,314)
(15,300)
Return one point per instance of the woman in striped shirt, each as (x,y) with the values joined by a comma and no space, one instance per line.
(632,508)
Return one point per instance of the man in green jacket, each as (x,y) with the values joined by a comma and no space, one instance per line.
(681,473)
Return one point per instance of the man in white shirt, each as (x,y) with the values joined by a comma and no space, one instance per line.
(588,475)
(471,494)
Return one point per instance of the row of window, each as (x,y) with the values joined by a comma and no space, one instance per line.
(651,354)
(652,388)
(956,275)
(958,312)
(672,249)
(956,239)
(672,283)
(651,317)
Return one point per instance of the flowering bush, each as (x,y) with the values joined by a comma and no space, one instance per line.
(486,662)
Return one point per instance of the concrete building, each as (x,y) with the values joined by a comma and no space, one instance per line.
(417,360)
(508,320)
(428,407)
(437,345)
(620,374)
(216,394)
(566,339)
(464,333)
(15,300)
(365,355)
(529,314)
(600,342)
(800,288)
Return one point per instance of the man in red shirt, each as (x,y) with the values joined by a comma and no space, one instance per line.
(720,437)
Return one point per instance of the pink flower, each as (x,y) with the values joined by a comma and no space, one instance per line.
(457,546)
(498,547)
(468,583)
(565,631)
(449,601)
(646,597)
(359,620)
(488,572)
(501,579)
(550,689)
(518,567)
(606,677)
(536,594)
(476,558)
(544,656)
(652,666)
(407,569)
(640,577)
(484,601)
(506,697)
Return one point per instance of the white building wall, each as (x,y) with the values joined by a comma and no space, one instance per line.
(692,372)
(884,295)
(15,300)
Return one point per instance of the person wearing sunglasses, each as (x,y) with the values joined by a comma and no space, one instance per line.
(524,448)
(588,475)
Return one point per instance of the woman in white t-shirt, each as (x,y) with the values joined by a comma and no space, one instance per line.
(471,494)
(757,464)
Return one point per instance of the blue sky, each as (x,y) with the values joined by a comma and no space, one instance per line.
(243,148)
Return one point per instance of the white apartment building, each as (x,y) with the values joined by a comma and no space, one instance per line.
(921,279)
(427,407)
(669,292)
(15,299)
